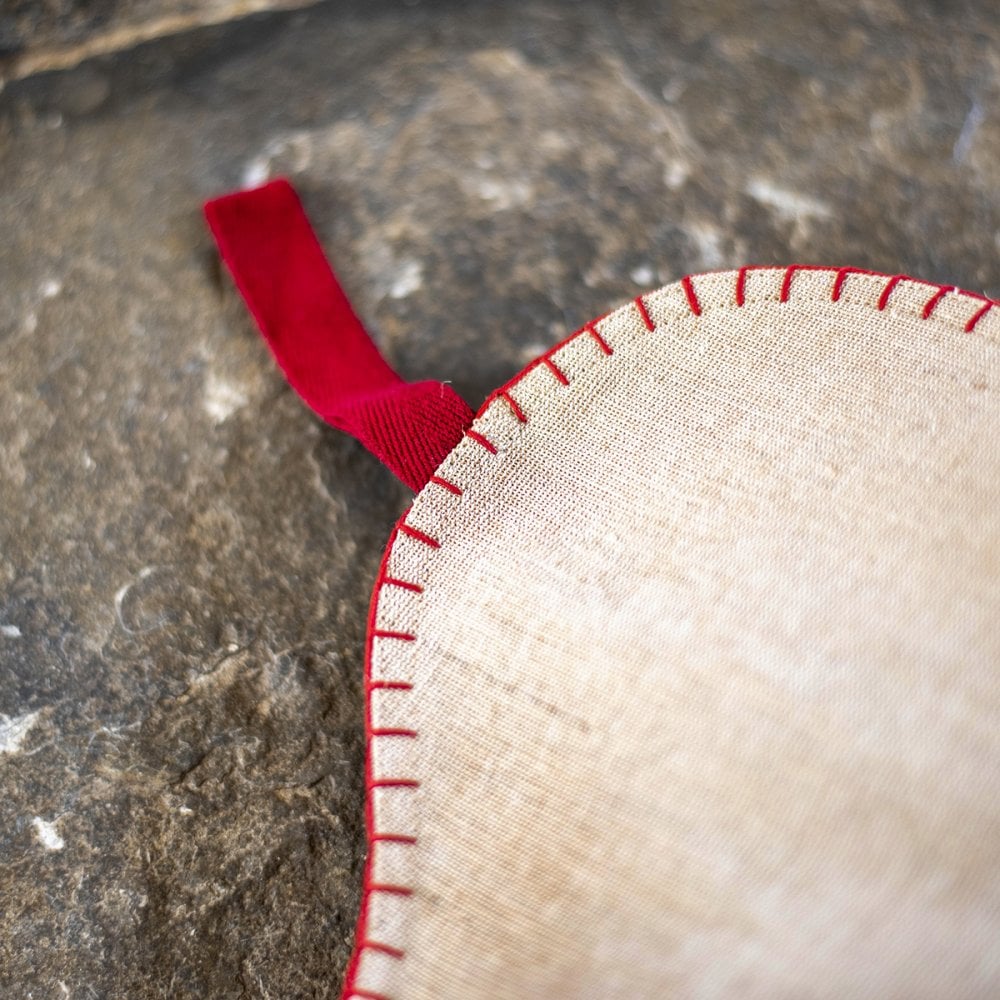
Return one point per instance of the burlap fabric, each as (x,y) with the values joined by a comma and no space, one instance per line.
(684,673)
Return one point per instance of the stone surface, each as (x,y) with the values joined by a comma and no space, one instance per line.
(58,34)
(186,553)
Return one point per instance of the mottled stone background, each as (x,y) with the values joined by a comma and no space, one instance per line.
(185,552)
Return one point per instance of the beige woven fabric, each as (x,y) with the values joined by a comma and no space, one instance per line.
(705,670)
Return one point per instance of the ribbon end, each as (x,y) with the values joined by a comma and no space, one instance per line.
(279,267)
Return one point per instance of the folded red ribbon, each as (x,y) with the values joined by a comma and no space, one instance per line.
(266,241)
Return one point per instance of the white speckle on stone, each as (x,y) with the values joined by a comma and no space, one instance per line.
(531,351)
(64,988)
(708,240)
(676,173)
(120,595)
(966,137)
(296,147)
(14,731)
(48,834)
(186,811)
(642,275)
(502,194)
(409,278)
(222,398)
(122,592)
(673,89)
(11,631)
(50,289)
(88,462)
(257,171)
(787,204)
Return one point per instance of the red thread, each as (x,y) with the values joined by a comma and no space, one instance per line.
(935,299)
(410,733)
(368,887)
(741,280)
(391,581)
(644,313)
(449,486)
(420,536)
(601,342)
(484,441)
(514,408)
(395,890)
(556,370)
(786,284)
(691,297)
(386,949)
(838,284)
(883,299)
(531,367)
(370,685)
(279,267)
(383,634)
(979,314)
(393,838)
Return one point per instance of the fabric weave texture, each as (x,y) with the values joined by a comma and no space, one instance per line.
(682,674)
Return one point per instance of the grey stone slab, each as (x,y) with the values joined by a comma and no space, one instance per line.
(41,35)
(186,553)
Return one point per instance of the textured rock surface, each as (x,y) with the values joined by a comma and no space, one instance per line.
(39,35)
(186,554)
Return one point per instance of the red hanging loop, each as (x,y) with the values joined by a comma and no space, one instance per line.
(266,241)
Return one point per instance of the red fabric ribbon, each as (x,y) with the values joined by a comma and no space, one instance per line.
(266,241)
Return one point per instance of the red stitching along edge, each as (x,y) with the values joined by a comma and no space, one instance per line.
(693,302)
(555,349)
(932,302)
(976,317)
(556,370)
(741,280)
(514,408)
(393,838)
(883,299)
(838,284)
(447,484)
(644,313)
(484,441)
(786,283)
(394,890)
(368,887)
(386,949)
(601,342)
(385,634)
(395,783)
(351,972)
(391,581)
(411,733)
(420,536)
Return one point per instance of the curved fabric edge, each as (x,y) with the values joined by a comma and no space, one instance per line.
(968,322)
